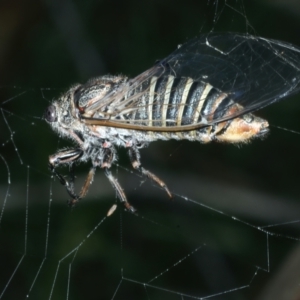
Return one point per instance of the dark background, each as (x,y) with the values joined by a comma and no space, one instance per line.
(45,46)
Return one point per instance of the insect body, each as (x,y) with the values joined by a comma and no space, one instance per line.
(204,91)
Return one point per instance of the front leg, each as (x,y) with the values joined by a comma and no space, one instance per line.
(64,157)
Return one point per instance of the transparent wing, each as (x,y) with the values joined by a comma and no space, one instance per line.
(251,71)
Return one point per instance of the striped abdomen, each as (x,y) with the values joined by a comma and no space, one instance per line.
(173,102)
(170,101)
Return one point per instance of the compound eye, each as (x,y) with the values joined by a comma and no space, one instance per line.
(50,114)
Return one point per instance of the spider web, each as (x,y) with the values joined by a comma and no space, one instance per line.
(232,229)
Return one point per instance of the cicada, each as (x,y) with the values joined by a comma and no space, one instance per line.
(206,90)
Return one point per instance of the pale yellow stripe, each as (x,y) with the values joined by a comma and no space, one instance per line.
(215,105)
(166,99)
(183,100)
(203,96)
(151,99)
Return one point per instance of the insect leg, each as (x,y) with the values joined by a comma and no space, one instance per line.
(63,157)
(134,156)
(121,195)
(89,179)
(107,160)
